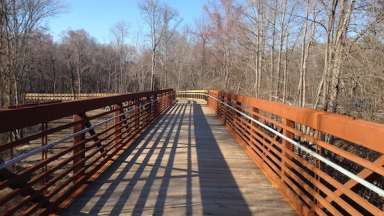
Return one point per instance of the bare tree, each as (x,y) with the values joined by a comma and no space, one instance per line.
(325,54)
(120,32)
(306,43)
(20,18)
(158,17)
(284,7)
(4,89)
(77,44)
(272,52)
(169,14)
(338,20)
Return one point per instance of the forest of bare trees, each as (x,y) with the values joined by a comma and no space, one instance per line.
(325,54)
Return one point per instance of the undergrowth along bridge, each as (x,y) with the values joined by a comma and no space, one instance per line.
(146,153)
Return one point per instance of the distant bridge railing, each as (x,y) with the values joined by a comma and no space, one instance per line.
(323,163)
(193,94)
(60,146)
(36,97)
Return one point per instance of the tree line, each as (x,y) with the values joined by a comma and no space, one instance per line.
(311,53)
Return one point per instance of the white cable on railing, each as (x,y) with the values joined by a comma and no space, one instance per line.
(50,145)
(337,167)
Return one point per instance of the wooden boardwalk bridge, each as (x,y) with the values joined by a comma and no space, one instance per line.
(185,164)
(206,153)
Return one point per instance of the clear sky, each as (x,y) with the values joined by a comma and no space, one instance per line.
(98,16)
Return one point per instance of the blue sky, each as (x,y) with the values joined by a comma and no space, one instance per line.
(98,16)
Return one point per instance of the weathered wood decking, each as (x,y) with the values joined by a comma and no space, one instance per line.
(186,164)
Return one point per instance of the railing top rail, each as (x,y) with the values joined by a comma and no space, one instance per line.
(19,118)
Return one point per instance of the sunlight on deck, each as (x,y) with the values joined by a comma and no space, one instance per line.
(185,164)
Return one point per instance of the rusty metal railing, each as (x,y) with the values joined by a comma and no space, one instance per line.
(59,147)
(323,163)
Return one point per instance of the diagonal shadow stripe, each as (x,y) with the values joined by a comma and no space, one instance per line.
(160,201)
(146,188)
(106,195)
(95,186)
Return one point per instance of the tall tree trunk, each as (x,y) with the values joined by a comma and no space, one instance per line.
(165,69)
(282,32)
(4,88)
(285,73)
(78,80)
(272,56)
(339,43)
(121,75)
(257,54)
(153,65)
(303,62)
(261,43)
(54,76)
(226,66)
(322,90)
(4,97)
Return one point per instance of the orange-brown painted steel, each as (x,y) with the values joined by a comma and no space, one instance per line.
(24,117)
(311,187)
(44,185)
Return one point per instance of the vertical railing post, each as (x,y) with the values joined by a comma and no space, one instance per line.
(170,96)
(157,105)
(173,97)
(166,100)
(137,114)
(286,146)
(163,99)
(209,100)
(239,118)
(219,106)
(161,104)
(152,109)
(44,154)
(153,106)
(117,123)
(78,142)
(148,110)
(255,113)
(225,108)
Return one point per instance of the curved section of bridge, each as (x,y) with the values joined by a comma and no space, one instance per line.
(206,153)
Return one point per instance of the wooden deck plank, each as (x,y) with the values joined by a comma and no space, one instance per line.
(186,164)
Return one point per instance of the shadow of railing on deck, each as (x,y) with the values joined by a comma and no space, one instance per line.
(91,191)
(222,196)
(218,194)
